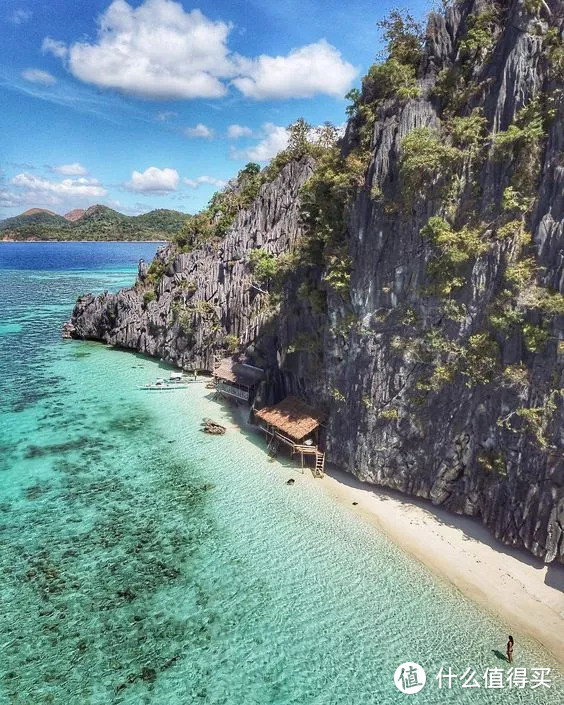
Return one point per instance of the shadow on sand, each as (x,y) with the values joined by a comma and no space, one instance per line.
(471,527)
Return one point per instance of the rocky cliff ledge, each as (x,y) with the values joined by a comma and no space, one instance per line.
(189,306)
(409,279)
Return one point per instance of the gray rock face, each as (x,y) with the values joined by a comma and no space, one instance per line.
(432,448)
(355,358)
(203,295)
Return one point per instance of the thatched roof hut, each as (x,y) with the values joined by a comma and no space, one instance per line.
(231,371)
(292,417)
(236,379)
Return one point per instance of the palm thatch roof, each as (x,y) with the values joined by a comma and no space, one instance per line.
(230,370)
(292,417)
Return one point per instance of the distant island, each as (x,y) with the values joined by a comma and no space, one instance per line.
(95,223)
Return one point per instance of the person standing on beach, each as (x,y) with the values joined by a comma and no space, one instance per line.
(510,649)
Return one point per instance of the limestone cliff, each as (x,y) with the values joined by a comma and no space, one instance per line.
(465,445)
(200,298)
(430,322)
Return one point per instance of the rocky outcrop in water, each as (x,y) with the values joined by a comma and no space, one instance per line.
(441,365)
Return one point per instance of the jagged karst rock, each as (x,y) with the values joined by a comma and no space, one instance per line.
(212,284)
(432,448)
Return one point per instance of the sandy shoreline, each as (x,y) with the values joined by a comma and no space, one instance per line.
(526,594)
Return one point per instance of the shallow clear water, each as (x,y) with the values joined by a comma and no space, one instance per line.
(142,561)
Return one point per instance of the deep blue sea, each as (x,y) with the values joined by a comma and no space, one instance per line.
(143,562)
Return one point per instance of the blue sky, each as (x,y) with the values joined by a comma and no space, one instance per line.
(144,104)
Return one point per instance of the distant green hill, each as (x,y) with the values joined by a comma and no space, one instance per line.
(97,223)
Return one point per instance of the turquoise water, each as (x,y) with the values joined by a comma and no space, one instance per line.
(145,562)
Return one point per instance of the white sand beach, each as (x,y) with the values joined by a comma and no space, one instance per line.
(525,593)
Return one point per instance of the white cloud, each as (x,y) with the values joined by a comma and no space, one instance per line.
(52,46)
(153,180)
(165,115)
(39,76)
(74,169)
(200,130)
(9,199)
(199,180)
(156,51)
(235,131)
(159,51)
(303,73)
(54,192)
(341,129)
(274,139)
(20,16)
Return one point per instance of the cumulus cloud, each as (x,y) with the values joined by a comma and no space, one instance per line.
(74,169)
(200,130)
(199,180)
(153,180)
(236,131)
(305,72)
(274,139)
(38,76)
(45,190)
(156,50)
(159,51)
(52,46)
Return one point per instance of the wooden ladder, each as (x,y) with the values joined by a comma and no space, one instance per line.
(319,464)
(273,444)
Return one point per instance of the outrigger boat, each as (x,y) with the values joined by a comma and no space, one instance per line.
(164,384)
(176,381)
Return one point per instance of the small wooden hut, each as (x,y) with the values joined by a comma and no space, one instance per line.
(294,424)
(237,380)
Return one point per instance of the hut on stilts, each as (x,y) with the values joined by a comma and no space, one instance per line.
(294,424)
(237,380)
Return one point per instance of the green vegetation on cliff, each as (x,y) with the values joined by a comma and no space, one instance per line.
(211,224)
(439,169)
(411,288)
